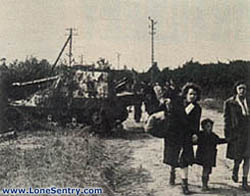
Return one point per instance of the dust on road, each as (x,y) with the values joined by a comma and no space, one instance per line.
(148,154)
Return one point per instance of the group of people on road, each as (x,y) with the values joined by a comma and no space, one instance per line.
(183,131)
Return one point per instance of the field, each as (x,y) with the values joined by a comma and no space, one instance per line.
(67,158)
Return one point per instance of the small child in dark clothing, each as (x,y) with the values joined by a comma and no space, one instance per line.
(206,151)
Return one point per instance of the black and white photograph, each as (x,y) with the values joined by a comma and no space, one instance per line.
(125,97)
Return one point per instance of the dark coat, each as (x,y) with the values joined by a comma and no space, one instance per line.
(206,151)
(178,149)
(236,130)
(151,102)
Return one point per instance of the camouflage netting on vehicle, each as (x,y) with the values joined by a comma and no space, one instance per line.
(18,114)
(53,99)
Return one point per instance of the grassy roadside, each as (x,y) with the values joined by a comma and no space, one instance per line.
(68,158)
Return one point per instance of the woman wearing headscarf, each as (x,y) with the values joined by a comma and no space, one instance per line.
(237,131)
(183,127)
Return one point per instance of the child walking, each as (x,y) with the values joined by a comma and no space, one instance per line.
(206,151)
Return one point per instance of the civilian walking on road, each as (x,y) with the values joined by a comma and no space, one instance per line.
(184,124)
(206,152)
(237,131)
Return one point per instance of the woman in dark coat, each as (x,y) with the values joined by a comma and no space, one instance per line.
(183,128)
(237,131)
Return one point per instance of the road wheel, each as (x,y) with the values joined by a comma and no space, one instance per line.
(96,118)
(14,118)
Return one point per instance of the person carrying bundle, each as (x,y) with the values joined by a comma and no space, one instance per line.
(179,129)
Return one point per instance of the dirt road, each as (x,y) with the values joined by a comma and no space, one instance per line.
(147,154)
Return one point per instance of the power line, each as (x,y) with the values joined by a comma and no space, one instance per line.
(152,33)
(118,59)
(70,43)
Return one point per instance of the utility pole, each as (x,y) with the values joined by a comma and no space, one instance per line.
(81,59)
(118,60)
(152,33)
(70,43)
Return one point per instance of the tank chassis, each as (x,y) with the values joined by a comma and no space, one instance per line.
(87,96)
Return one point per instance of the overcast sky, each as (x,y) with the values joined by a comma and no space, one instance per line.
(205,30)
